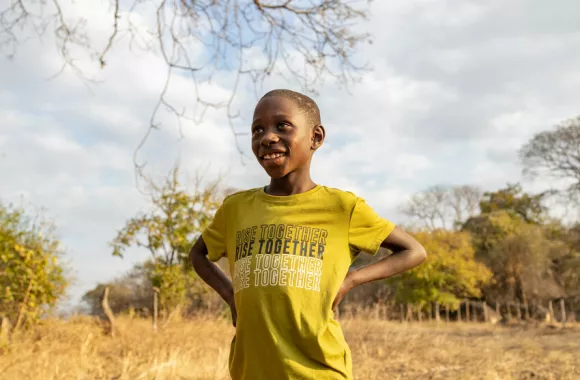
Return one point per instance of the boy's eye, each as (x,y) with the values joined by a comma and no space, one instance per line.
(257,130)
(283,124)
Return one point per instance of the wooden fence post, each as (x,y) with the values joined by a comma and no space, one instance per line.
(509,310)
(419,316)
(5,328)
(519,311)
(447,313)
(551,309)
(459,313)
(467,311)
(526,309)
(156,308)
(563,312)
(402,308)
(484,307)
(437,316)
(409,313)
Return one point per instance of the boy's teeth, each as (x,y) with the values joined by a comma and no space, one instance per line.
(270,156)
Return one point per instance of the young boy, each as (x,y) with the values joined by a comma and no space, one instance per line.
(289,247)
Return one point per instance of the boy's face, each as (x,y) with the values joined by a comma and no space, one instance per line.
(282,138)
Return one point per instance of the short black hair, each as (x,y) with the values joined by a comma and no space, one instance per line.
(306,104)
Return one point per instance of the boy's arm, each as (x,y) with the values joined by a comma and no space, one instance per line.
(407,254)
(212,274)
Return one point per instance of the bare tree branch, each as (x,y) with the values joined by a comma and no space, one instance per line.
(555,154)
(300,41)
(442,207)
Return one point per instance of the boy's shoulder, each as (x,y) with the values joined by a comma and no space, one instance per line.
(240,195)
(344,195)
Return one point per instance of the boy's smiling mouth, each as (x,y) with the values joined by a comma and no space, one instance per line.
(272,155)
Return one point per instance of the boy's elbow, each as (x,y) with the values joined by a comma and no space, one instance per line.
(420,254)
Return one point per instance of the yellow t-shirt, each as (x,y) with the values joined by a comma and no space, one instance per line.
(288,256)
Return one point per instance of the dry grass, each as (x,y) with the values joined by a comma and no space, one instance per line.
(198,349)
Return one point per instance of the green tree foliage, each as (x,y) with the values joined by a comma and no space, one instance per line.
(519,254)
(448,274)
(32,277)
(566,261)
(167,231)
(513,200)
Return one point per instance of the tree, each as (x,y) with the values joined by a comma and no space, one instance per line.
(555,153)
(302,41)
(132,290)
(513,200)
(443,206)
(177,218)
(519,253)
(449,273)
(566,261)
(32,276)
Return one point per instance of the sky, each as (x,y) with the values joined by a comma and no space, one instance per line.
(456,88)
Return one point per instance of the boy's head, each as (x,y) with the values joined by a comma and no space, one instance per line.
(286,130)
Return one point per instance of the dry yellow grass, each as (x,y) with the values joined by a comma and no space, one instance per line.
(198,349)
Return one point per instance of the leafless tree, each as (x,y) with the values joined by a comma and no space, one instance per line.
(464,201)
(443,206)
(304,41)
(556,154)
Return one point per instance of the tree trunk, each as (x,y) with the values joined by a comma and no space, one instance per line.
(563,312)
(437,317)
(108,312)
(447,313)
(23,306)
(467,311)
(551,308)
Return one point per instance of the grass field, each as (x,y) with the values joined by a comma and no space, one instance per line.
(198,349)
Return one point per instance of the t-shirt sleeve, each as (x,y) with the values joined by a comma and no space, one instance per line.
(367,230)
(214,236)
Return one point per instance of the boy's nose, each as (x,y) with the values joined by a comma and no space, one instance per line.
(269,138)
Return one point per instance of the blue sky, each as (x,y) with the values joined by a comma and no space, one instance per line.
(456,88)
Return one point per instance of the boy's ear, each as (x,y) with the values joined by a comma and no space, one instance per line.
(318,136)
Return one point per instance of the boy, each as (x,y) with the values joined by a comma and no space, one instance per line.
(289,247)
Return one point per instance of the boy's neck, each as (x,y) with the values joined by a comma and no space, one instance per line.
(293,183)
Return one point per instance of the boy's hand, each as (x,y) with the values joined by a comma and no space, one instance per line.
(346,287)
